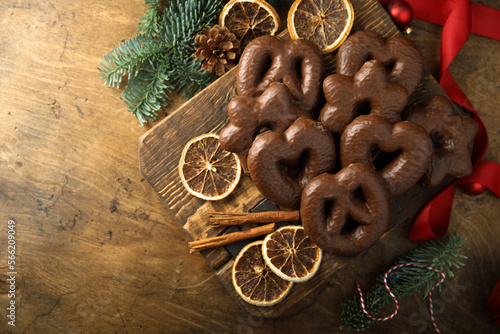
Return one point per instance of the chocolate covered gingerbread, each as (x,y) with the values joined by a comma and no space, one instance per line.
(346,213)
(452,135)
(370,87)
(409,141)
(273,110)
(298,64)
(399,55)
(281,164)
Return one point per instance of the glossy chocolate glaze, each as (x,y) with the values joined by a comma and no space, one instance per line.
(399,54)
(453,136)
(370,85)
(274,109)
(412,141)
(298,64)
(281,164)
(346,213)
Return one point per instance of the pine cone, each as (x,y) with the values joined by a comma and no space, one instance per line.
(219,47)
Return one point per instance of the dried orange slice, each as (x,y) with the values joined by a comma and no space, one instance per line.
(291,254)
(207,171)
(248,19)
(325,22)
(254,281)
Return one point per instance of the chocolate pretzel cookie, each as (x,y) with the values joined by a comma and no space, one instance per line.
(298,64)
(346,213)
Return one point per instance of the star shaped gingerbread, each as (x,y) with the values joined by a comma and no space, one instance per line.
(452,135)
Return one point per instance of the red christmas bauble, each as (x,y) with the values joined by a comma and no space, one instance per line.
(400,12)
(472,189)
(493,304)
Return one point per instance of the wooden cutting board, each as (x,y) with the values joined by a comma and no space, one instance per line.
(160,150)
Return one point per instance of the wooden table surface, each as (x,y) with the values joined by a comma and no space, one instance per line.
(96,249)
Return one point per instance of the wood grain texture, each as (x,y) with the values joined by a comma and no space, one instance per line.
(100,253)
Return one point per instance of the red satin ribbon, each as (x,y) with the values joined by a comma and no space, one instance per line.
(432,221)
(459,18)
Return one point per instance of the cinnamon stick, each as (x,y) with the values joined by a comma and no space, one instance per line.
(202,244)
(232,218)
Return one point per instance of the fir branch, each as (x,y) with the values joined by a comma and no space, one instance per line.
(189,78)
(184,20)
(150,23)
(159,59)
(147,92)
(441,254)
(434,254)
(127,58)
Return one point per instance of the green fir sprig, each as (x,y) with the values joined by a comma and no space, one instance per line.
(150,23)
(159,60)
(442,254)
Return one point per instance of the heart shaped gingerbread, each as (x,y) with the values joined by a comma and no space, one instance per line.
(281,164)
(274,110)
(399,54)
(409,141)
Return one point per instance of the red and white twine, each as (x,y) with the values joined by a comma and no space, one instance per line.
(431,307)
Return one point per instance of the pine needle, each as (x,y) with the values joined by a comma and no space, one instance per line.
(159,60)
(150,24)
(146,93)
(128,58)
(441,254)
(190,78)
